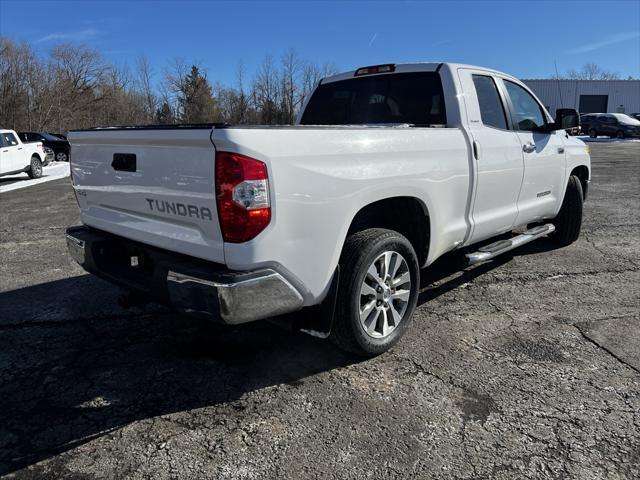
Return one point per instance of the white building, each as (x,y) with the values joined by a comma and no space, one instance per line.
(588,96)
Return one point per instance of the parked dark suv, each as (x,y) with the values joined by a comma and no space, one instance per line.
(614,125)
(60,146)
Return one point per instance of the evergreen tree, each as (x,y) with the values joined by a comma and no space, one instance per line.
(164,115)
(196,98)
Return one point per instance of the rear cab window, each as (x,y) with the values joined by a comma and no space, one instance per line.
(399,98)
(492,110)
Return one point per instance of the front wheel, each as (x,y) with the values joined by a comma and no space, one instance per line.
(35,170)
(378,292)
(593,133)
(61,157)
(620,134)
(569,219)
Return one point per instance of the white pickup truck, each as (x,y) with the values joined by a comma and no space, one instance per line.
(18,157)
(388,168)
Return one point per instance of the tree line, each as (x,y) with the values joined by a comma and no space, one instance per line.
(589,71)
(73,86)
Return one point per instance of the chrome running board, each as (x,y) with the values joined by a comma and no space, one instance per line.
(501,246)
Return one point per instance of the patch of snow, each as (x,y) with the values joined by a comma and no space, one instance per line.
(587,138)
(53,171)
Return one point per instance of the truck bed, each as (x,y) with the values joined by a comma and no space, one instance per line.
(318,179)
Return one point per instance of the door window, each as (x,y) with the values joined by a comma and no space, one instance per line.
(8,139)
(526,110)
(491,108)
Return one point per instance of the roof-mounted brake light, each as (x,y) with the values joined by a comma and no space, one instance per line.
(388,68)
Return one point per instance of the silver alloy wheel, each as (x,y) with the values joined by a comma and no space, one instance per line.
(36,166)
(61,157)
(384,294)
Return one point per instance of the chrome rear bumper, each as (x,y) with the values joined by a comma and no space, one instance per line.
(186,283)
(237,298)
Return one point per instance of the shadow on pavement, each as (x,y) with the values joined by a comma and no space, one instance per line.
(74,366)
(450,271)
(65,381)
(11,179)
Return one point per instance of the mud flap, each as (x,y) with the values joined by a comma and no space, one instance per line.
(317,320)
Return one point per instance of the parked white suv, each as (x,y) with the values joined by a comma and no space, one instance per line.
(18,157)
(389,167)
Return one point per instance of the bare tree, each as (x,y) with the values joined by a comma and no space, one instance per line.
(234,102)
(591,71)
(145,85)
(291,93)
(242,106)
(173,84)
(74,87)
(79,72)
(266,93)
(20,84)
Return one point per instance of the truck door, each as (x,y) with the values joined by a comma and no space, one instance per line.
(11,155)
(544,157)
(497,156)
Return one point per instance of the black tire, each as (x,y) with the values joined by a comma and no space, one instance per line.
(620,134)
(61,156)
(35,170)
(593,133)
(569,219)
(359,254)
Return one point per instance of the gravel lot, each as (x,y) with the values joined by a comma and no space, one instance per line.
(527,367)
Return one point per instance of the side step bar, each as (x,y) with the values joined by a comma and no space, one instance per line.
(501,246)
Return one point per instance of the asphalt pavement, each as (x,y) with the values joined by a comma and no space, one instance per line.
(525,367)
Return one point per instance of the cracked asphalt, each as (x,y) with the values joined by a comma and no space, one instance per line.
(526,367)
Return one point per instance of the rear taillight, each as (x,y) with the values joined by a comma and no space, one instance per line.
(242,192)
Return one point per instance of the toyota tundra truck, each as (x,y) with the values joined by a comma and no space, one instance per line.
(388,168)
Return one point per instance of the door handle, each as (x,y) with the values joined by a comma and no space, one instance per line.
(20,148)
(125,162)
(529,147)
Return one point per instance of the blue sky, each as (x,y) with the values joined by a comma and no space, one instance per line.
(520,37)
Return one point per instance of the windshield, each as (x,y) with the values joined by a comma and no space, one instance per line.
(626,119)
(414,98)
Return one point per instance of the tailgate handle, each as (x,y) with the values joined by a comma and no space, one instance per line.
(125,162)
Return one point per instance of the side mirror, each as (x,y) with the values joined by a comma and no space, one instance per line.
(567,118)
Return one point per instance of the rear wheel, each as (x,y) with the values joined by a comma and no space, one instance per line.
(378,292)
(620,134)
(35,170)
(593,133)
(569,219)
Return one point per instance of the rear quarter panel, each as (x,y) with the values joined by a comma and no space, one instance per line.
(321,177)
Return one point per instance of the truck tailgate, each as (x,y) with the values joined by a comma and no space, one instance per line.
(153,186)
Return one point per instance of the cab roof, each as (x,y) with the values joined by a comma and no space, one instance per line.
(411,67)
